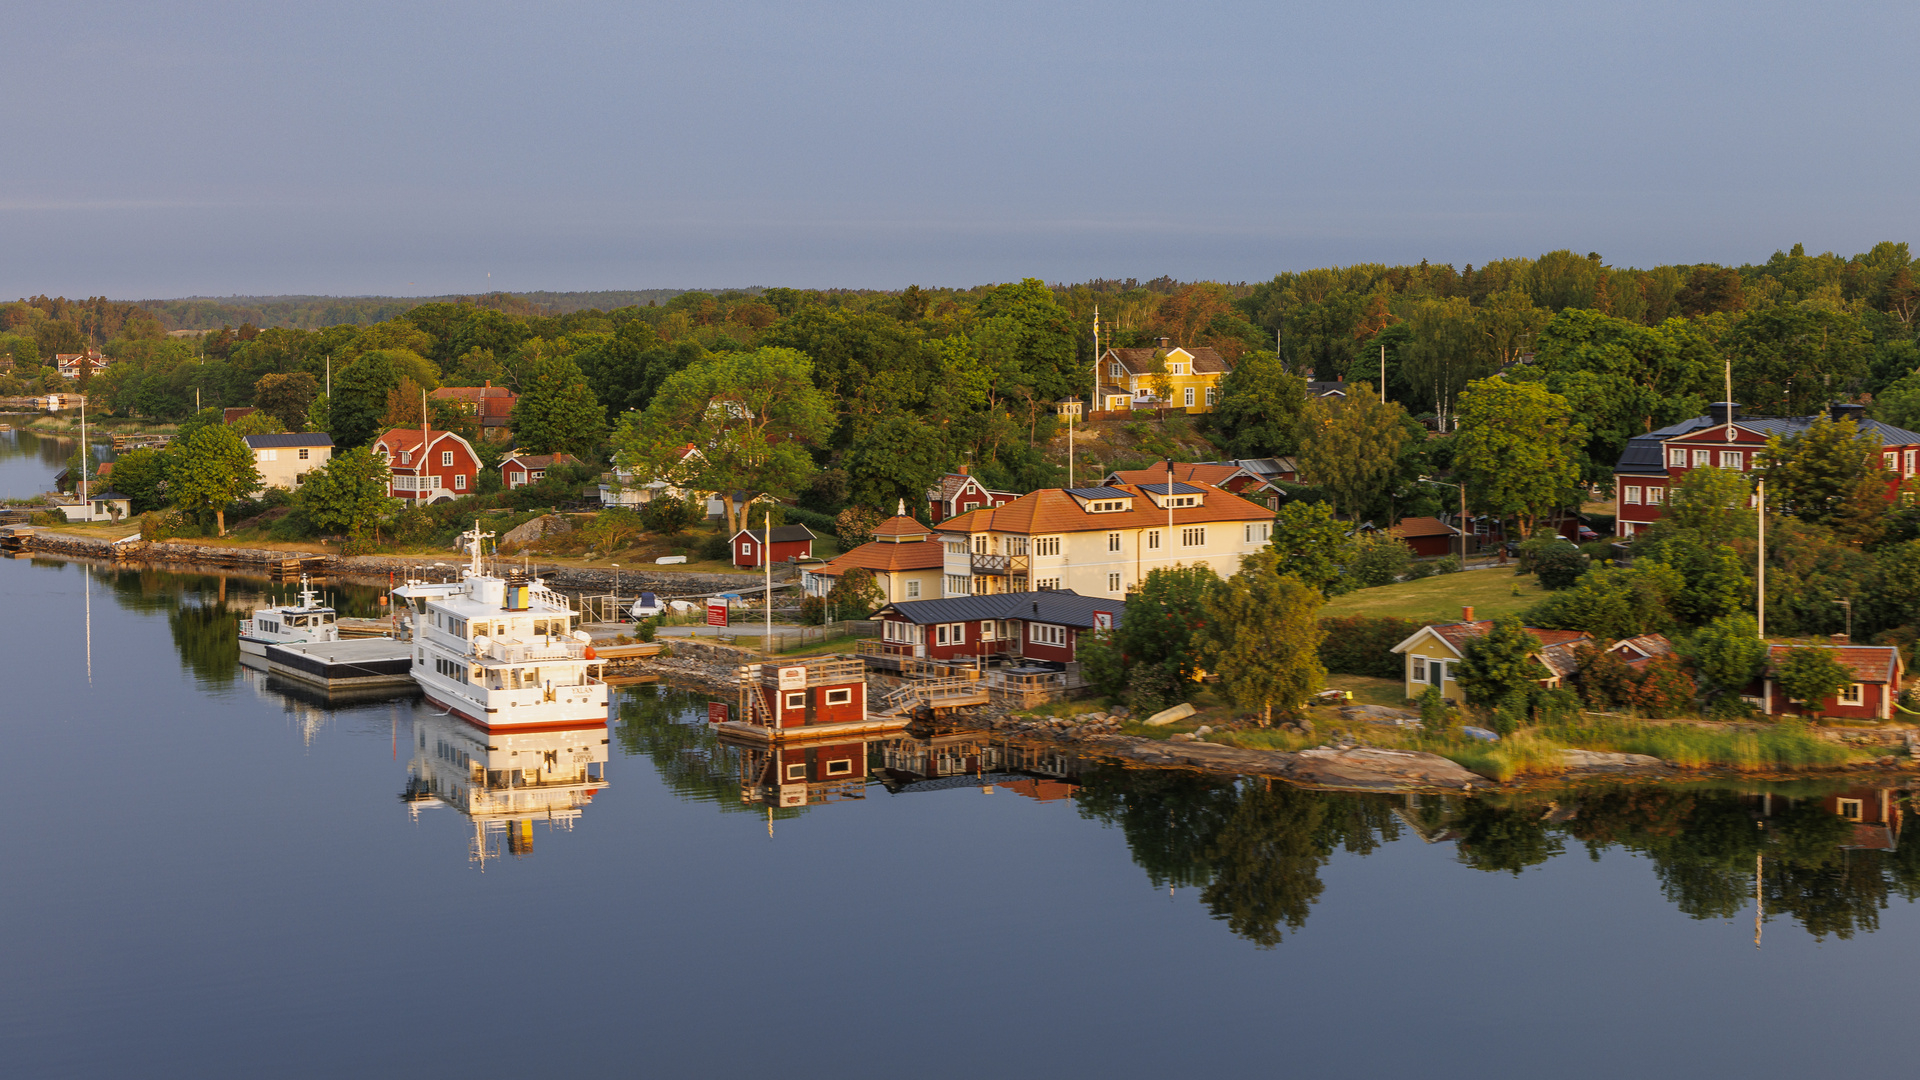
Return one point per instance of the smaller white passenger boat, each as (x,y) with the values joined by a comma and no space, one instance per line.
(289,624)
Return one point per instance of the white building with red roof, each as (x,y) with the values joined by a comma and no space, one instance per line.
(1098,541)
(428,466)
(904,557)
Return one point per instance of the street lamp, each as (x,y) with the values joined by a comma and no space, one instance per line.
(1462,527)
(1847,603)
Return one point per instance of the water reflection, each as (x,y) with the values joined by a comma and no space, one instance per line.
(504,782)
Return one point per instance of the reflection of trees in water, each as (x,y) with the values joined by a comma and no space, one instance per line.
(1255,852)
(668,726)
(208,637)
(1254,849)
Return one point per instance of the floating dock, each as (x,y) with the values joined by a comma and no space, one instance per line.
(361,663)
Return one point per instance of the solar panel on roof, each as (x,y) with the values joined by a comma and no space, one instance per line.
(1100,493)
(1179,488)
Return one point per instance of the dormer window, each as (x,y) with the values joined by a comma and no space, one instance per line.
(1176,369)
(405,457)
(1107,506)
(1181,500)
(1115,371)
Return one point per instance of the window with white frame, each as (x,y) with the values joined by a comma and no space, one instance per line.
(270,455)
(1892,460)
(1702,458)
(303,454)
(959,585)
(840,697)
(1180,500)
(957,547)
(797,699)
(1911,455)
(1113,541)
(1113,582)
(1046,584)
(840,767)
(446,457)
(1258,532)
(1046,634)
(1677,458)
(982,585)
(1046,545)
(460,481)
(1115,371)
(1213,395)
(913,590)
(1631,494)
(1419,669)
(1195,536)
(986,629)
(1189,397)
(940,634)
(406,457)
(1851,809)
(957,633)
(980,545)
(797,771)
(1016,545)
(1656,495)
(1153,539)
(1732,459)
(1853,694)
(1177,369)
(1107,506)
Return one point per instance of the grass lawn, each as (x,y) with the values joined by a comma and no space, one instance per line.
(1439,598)
(1367,690)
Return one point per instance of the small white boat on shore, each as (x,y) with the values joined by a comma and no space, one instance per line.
(289,624)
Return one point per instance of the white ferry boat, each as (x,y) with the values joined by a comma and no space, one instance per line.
(502,653)
(288,624)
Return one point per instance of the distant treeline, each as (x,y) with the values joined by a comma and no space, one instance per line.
(315,312)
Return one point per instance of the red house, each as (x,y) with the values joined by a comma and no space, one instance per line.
(959,492)
(427,465)
(519,470)
(1654,463)
(1231,476)
(807,693)
(1044,626)
(491,405)
(786,543)
(1877,671)
(1429,537)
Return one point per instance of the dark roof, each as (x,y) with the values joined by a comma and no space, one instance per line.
(1060,606)
(1325,388)
(265,442)
(1100,493)
(782,534)
(1178,489)
(106,496)
(1644,453)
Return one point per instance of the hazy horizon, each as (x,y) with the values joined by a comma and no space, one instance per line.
(169,149)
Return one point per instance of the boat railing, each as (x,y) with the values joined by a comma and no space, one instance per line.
(525,652)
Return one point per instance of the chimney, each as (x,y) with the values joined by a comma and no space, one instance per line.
(1163,343)
(1840,639)
(1466,613)
(964,468)
(1842,411)
(1723,412)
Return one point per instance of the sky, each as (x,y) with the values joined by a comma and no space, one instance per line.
(165,148)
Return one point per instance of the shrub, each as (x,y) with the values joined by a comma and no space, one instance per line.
(669,517)
(1510,714)
(855,596)
(1556,563)
(646,629)
(54,516)
(855,526)
(1449,564)
(161,525)
(1151,687)
(813,610)
(1362,645)
(1420,569)
(1663,688)
(1376,559)
(717,547)
(823,524)
(1560,706)
(1435,716)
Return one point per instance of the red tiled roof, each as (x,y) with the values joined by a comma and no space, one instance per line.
(228,416)
(891,558)
(1052,510)
(901,525)
(1185,472)
(1869,663)
(538,461)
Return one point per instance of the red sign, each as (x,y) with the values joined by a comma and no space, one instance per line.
(1103,620)
(716,712)
(718,612)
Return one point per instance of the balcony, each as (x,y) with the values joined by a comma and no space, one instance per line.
(999,565)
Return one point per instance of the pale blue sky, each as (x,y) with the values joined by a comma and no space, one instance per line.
(167,148)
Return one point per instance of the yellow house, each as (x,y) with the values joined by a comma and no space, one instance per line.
(1192,378)
(1432,652)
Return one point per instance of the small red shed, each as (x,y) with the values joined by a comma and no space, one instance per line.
(1877,671)
(784,544)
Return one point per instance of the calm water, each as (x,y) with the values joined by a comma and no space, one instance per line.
(29,461)
(211,875)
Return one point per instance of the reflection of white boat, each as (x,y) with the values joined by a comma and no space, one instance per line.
(504,782)
(502,653)
(288,624)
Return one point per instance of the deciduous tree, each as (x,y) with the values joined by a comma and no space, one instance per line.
(1810,676)
(1260,408)
(287,397)
(558,411)
(1830,474)
(1514,450)
(348,494)
(1350,446)
(1309,544)
(214,470)
(1262,637)
(1499,663)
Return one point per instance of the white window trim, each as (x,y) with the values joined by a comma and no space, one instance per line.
(843,696)
(1853,694)
(796,699)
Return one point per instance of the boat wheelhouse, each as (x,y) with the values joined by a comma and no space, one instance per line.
(289,624)
(502,652)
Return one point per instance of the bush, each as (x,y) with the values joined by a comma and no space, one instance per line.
(1510,715)
(646,629)
(55,516)
(821,524)
(855,526)
(1435,716)
(1376,559)
(1557,707)
(717,547)
(1554,562)
(1420,569)
(669,517)
(1449,564)
(161,525)
(813,610)
(1362,645)
(1150,688)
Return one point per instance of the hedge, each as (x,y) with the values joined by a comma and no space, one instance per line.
(1362,644)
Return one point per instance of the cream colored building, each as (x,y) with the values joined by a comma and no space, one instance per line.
(284,460)
(1099,541)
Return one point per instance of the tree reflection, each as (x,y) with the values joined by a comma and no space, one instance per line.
(208,637)
(668,727)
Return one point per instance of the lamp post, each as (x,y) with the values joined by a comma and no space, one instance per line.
(1462,527)
(1847,602)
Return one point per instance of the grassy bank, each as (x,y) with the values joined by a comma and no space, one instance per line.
(1439,598)
(1782,747)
